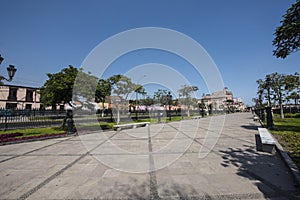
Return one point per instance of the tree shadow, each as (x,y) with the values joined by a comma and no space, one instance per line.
(267,170)
(137,190)
(250,127)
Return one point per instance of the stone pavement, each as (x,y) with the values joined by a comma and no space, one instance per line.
(164,161)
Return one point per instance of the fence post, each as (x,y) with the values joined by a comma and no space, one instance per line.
(5,122)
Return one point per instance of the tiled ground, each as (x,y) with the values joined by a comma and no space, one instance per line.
(210,158)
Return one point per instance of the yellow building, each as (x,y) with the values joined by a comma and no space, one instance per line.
(19,97)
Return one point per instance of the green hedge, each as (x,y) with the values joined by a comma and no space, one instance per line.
(290,115)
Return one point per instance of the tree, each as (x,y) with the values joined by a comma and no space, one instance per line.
(277,84)
(148,101)
(264,89)
(186,92)
(277,87)
(104,88)
(295,97)
(84,89)
(58,88)
(287,35)
(123,86)
(293,82)
(160,96)
(293,87)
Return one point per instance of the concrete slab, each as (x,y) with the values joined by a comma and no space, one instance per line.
(175,162)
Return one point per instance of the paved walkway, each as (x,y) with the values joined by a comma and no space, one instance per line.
(174,163)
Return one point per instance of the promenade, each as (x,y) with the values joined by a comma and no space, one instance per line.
(190,159)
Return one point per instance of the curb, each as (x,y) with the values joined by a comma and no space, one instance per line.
(289,163)
(34,139)
(287,160)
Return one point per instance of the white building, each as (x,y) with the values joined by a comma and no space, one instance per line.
(222,100)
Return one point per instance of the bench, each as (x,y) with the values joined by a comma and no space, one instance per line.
(267,140)
(132,125)
(196,117)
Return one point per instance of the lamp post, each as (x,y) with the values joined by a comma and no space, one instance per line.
(136,96)
(11,70)
(136,104)
(269,107)
(117,101)
(169,98)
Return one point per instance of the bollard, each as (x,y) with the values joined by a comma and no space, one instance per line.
(159,117)
(269,117)
(70,122)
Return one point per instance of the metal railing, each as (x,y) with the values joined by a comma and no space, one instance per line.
(21,119)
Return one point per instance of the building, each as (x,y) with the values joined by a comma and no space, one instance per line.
(217,100)
(238,104)
(19,97)
(222,100)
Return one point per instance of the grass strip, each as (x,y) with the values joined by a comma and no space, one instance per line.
(287,132)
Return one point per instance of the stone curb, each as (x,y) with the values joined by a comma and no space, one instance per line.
(287,160)
(289,163)
(35,139)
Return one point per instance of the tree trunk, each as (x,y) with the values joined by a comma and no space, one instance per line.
(269,97)
(102,114)
(281,108)
(63,124)
(281,112)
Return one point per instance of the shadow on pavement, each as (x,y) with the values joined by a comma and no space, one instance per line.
(268,172)
(250,127)
(137,190)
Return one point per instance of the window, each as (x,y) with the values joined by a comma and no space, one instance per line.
(11,106)
(29,95)
(12,96)
(28,106)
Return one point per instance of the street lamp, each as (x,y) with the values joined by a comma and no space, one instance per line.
(1,59)
(269,107)
(117,101)
(11,70)
(136,96)
(169,98)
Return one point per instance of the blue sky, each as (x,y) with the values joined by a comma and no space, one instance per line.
(44,36)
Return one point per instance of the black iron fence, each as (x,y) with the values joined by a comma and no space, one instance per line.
(20,119)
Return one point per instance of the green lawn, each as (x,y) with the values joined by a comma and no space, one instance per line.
(287,132)
(35,131)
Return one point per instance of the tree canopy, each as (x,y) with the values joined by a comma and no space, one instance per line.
(122,86)
(186,92)
(277,88)
(287,35)
(160,96)
(58,88)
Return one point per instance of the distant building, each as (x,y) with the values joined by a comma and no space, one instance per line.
(222,100)
(238,104)
(19,97)
(217,100)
